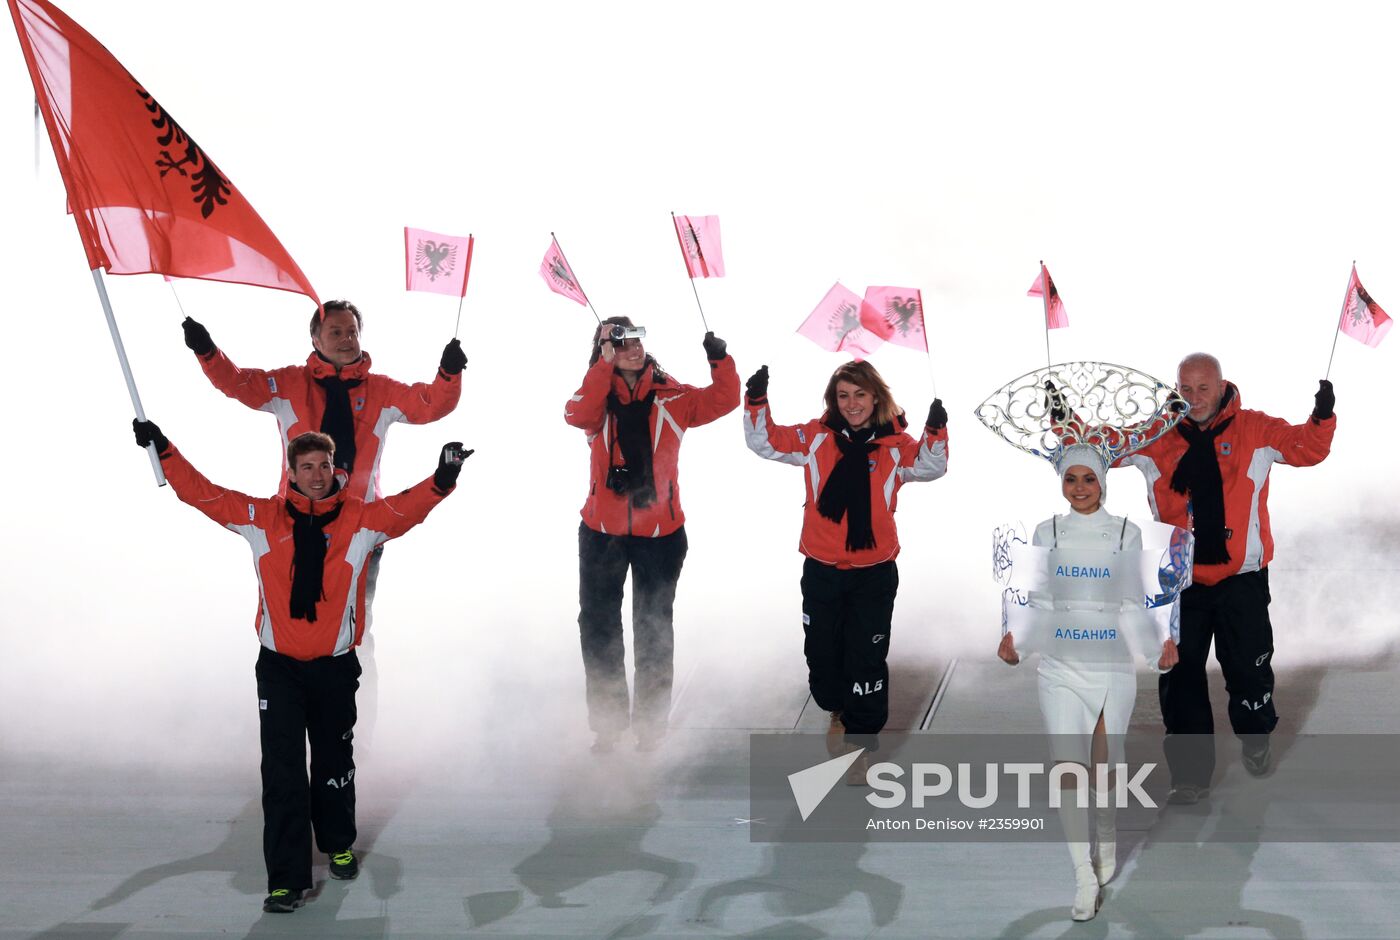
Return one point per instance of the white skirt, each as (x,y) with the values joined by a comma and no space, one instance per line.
(1074,694)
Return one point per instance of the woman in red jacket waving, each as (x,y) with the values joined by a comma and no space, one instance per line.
(857,455)
(635,415)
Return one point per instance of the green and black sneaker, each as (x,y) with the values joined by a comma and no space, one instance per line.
(343,866)
(282,901)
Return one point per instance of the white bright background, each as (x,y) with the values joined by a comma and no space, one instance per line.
(1196,178)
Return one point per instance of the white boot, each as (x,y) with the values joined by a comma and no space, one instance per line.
(1087,895)
(1106,864)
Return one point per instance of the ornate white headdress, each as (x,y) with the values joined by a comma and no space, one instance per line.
(1113,409)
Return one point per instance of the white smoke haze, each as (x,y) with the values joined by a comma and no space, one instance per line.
(1187,187)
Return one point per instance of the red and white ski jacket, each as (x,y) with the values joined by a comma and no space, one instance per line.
(350,538)
(1246,451)
(293,395)
(898,459)
(675,409)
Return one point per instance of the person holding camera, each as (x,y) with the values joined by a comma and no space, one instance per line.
(634,415)
(856,456)
(311,547)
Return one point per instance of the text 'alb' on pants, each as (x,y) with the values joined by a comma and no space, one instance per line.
(1235,612)
(299,701)
(846,615)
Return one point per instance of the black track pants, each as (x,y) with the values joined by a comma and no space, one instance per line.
(300,701)
(656,564)
(846,619)
(1235,612)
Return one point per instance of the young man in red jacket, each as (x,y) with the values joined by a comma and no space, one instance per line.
(335,392)
(1211,475)
(311,548)
(634,415)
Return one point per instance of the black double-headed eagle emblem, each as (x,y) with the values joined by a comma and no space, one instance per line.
(434,259)
(209,187)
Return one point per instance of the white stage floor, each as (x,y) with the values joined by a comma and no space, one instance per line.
(547,840)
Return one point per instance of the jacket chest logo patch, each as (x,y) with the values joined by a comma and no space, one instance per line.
(872,464)
(802,435)
(1224,448)
(272,385)
(359,404)
(250,512)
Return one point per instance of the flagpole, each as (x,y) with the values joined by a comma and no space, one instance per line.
(703,321)
(928,350)
(126,367)
(1045,304)
(701,253)
(1345,297)
(183,314)
(578,280)
(465,277)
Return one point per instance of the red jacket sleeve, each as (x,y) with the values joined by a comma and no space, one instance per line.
(423,402)
(703,405)
(1299,445)
(253,387)
(588,406)
(395,515)
(226,507)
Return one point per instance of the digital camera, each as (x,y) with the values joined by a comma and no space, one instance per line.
(618,333)
(619,480)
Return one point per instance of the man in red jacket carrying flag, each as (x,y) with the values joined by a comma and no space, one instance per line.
(311,548)
(1211,475)
(335,392)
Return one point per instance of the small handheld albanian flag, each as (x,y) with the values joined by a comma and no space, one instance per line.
(1044,288)
(700,247)
(437,263)
(838,323)
(559,276)
(900,312)
(1362,318)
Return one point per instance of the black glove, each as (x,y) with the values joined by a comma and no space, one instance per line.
(937,417)
(197,338)
(1325,399)
(148,433)
(1055,402)
(756,388)
(714,347)
(453,359)
(449,465)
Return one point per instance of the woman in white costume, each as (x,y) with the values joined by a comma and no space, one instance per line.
(1092,694)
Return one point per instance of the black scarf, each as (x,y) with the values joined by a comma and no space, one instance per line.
(847,489)
(339,419)
(308,560)
(634,440)
(1198,474)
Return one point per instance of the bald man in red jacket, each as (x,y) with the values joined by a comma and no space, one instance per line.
(1211,474)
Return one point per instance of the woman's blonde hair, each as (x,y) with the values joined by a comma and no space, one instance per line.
(866,376)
